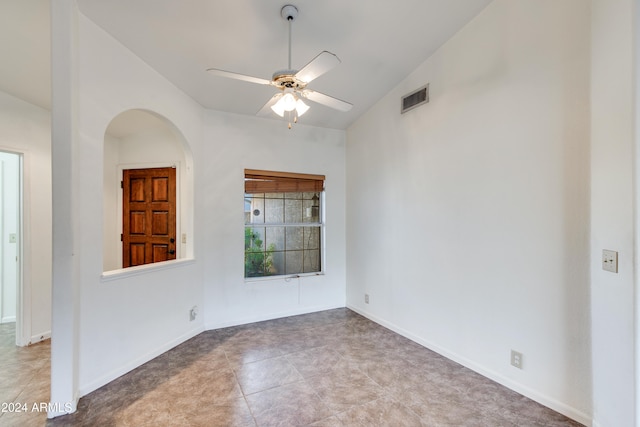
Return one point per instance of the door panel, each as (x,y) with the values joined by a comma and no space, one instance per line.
(160,187)
(137,224)
(149,216)
(137,190)
(160,253)
(136,251)
(160,224)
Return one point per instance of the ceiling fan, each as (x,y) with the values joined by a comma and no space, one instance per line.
(292,84)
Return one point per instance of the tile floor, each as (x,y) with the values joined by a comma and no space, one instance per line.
(25,377)
(332,368)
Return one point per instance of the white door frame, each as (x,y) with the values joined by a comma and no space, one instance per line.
(23,285)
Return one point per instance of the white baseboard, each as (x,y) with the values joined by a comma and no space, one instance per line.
(85,389)
(57,409)
(270,316)
(39,337)
(8,319)
(547,401)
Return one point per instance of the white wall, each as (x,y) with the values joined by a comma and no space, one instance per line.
(612,215)
(112,246)
(233,143)
(9,217)
(474,240)
(66,286)
(129,317)
(26,129)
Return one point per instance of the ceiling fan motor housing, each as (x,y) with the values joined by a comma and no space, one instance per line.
(289,12)
(287,79)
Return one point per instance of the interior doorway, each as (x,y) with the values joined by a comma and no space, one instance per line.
(11,238)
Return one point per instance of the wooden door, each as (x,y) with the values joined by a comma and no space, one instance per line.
(149,216)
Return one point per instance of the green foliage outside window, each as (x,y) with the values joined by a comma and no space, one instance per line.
(257,261)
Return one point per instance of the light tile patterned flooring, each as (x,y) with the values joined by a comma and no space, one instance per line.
(25,378)
(332,368)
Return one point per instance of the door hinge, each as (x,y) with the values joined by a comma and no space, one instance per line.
(121,184)
(121,237)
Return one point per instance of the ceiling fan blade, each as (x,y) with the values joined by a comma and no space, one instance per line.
(319,65)
(266,109)
(243,77)
(327,100)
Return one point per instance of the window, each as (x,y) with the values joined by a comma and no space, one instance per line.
(283,223)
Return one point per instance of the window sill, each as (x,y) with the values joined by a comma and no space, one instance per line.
(286,278)
(124,273)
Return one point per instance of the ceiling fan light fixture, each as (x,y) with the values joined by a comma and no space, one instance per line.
(278,108)
(288,101)
(301,107)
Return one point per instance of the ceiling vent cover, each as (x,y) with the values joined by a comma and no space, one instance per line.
(415,99)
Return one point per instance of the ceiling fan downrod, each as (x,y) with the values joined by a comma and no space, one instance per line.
(289,13)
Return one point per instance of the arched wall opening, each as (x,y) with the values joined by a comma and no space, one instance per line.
(141,139)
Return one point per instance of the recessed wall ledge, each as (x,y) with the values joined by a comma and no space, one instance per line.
(284,277)
(124,273)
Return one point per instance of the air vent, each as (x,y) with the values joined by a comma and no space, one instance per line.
(415,99)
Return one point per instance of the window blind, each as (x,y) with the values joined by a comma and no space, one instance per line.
(257,181)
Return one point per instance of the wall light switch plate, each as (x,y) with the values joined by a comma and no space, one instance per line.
(610,260)
(13,238)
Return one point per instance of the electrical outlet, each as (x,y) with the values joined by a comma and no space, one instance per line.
(366,298)
(516,359)
(193,313)
(610,260)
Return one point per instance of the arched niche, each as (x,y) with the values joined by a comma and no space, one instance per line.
(141,139)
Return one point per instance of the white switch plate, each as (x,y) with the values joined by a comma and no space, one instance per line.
(610,260)
(13,238)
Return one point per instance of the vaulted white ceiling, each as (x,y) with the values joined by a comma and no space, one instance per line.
(379,44)
(25,50)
